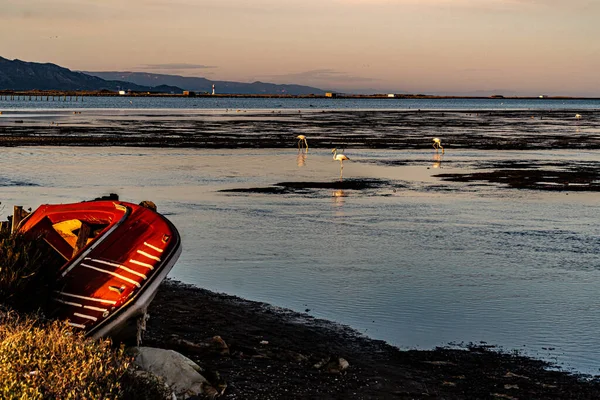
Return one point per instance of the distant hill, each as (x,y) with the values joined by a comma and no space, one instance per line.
(204,85)
(21,75)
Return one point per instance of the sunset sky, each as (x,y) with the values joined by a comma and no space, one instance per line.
(523,47)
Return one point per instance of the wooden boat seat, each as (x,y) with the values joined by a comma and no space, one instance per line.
(67,237)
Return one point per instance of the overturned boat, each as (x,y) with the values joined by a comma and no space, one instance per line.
(116,255)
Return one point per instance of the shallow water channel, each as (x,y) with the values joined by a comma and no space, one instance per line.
(417,261)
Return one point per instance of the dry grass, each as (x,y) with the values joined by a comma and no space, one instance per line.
(51,361)
(42,359)
(28,270)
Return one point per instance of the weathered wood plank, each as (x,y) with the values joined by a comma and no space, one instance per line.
(18,215)
(5,226)
(82,237)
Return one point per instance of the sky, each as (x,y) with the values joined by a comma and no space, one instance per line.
(511,47)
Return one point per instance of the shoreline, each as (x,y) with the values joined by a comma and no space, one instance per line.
(281,354)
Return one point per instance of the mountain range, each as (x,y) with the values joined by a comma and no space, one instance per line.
(23,75)
(204,85)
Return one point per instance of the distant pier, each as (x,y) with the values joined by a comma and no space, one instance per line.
(78,96)
(8,95)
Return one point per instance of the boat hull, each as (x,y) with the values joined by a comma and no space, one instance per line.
(116,255)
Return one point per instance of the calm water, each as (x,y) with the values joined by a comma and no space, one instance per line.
(418,265)
(262,103)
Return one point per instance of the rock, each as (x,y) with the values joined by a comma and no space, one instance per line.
(333,366)
(150,377)
(180,373)
(343,364)
(219,345)
(213,345)
(148,204)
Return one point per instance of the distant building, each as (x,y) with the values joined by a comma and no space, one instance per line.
(189,93)
(391,95)
(543,96)
(122,93)
(330,94)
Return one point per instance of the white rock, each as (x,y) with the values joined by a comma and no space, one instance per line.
(180,373)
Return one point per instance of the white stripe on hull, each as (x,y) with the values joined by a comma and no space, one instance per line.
(150,256)
(118,266)
(124,278)
(153,247)
(69,303)
(85,316)
(96,308)
(88,298)
(141,264)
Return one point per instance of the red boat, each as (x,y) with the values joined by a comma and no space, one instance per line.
(116,255)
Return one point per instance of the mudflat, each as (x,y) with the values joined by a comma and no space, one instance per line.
(406,129)
(265,352)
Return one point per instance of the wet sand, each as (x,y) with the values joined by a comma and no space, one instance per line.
(373,129)
(273,353)
(409,129)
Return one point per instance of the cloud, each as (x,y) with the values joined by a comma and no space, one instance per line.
(175,66)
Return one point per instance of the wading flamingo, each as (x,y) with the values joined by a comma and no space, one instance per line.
(437,144)
(340,158)
(302,138)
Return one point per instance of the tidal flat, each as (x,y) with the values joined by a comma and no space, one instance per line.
(373,129)
(492,241)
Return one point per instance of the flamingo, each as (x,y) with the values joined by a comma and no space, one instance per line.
(340,158)
(302,138)
(437,144)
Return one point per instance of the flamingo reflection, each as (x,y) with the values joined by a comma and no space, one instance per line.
(338,196)
(301,159)
(437,161)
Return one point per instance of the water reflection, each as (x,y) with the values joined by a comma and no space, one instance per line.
(301,158)
(504,275)
(338,197)
(437,161)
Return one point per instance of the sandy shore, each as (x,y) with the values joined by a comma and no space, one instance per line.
(273,353)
